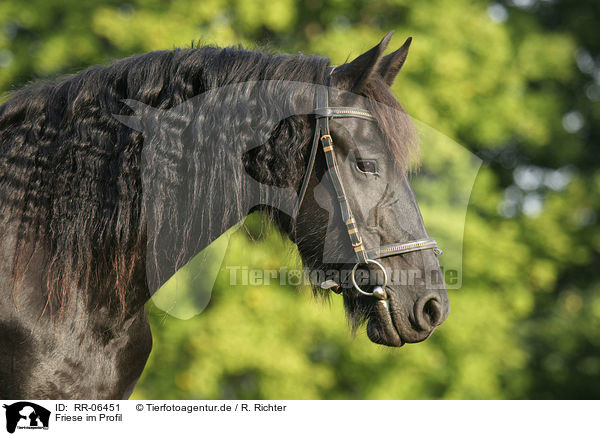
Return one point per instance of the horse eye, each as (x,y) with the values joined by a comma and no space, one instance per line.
(366,166)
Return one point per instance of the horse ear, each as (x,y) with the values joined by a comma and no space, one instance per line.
(390,65)
(358,72)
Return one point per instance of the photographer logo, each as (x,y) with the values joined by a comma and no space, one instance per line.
(26,416)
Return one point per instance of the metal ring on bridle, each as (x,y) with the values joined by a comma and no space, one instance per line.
(385,276)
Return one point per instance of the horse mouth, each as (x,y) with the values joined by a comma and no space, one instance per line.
(389,326)
(381,328)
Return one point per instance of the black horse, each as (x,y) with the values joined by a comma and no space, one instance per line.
(86,199)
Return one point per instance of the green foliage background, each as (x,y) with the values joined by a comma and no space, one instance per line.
(515,81)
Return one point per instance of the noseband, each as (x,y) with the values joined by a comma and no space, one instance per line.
(364,256)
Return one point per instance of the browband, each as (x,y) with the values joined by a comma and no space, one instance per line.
(343,112)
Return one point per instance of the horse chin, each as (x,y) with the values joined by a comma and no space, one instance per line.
(381,328)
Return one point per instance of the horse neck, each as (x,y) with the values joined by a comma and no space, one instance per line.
(185,217)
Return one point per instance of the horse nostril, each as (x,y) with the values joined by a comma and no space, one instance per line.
(428,312)
(432,311)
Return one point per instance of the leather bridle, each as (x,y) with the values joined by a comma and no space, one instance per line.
(323,113)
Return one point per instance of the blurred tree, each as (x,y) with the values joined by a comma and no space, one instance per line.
(562,335)
(517,82)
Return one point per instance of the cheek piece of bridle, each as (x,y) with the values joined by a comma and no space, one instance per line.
(323,112)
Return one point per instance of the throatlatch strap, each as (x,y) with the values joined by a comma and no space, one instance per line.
(309,169)
(344,112)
